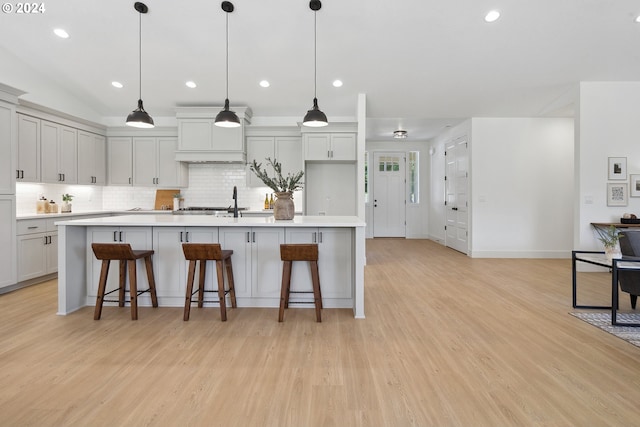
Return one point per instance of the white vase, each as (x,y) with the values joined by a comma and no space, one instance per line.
(65,207)
(612,252)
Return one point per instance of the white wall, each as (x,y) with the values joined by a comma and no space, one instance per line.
(609,126)
(522,187)
(41,89)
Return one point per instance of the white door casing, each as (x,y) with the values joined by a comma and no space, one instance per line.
(389,194)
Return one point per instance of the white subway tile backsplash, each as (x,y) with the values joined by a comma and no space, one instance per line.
(209,185)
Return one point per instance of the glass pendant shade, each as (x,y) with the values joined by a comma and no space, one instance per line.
(140,118)
(315,117)
(227,118)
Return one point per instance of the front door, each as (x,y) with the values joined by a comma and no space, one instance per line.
(389,195)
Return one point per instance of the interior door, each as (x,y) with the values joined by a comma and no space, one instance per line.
(389,195)
(456,203)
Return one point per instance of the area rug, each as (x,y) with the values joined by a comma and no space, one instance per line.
(630,334)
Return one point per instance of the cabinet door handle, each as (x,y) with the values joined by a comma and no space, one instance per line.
(45,240)
(328,153)
(64,178)
(248,241)
(22,174)
(181,237)
(33,227)
(115,236)
(17,173)
(332,154)
(187,233)
(121,236)
(253,237)
(320,237)
(314,238)
(129,180)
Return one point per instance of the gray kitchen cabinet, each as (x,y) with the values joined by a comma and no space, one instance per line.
(7,148)
(285,149)
(58,153)
(138,237)
(170,267)
(8,258)
(330,147)
(92,162)
(199,139)
(28,161)
(335,246)
(37,248)
(257,268)
(120,160)
(154,163)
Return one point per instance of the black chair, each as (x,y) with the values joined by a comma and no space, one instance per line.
(630,280)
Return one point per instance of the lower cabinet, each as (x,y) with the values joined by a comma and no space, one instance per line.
(37,248)
(334,260)
(8,267)
(137,237)
(170,267)
(257,268)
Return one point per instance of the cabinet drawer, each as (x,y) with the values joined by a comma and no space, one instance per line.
(30,226)
(51,224)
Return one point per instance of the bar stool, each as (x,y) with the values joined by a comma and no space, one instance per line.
(204,252)
(299,252)
(122,252)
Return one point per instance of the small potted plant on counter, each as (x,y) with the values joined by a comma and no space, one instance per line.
(66,203)
(282,186)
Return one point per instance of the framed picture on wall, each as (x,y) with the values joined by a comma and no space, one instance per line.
(634,190)
(617,168)
(617,194)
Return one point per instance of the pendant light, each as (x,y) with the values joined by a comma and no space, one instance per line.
(138,117)
(227,118)
(315,117)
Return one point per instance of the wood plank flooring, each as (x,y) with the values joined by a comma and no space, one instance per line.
(448,341)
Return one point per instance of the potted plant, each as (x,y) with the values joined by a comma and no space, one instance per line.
(66,202)
(178,201)
(282,186)
(610,238)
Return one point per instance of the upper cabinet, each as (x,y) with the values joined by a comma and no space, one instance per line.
(120,161)
(330,147)
(28,167)
(59,151)
(8,171)
(154,163)
(287,150)
(92,160)
(200,140)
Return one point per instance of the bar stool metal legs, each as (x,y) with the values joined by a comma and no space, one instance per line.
(299,252)
(203,252)
(123,253)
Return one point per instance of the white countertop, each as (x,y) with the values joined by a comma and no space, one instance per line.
(82,213)
(163,220)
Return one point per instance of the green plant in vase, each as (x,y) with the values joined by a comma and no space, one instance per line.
(66,202)
(610,237)
(282,186)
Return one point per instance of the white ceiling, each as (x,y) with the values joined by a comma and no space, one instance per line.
(423,64)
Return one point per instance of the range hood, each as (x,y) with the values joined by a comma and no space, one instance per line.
(200,141)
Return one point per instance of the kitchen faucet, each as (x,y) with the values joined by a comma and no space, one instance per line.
(235,202)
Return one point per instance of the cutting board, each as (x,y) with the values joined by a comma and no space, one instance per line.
(165,198)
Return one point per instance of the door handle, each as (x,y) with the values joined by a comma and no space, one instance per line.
(454,209)
(115,236)
(187,234)
(181,237)
(121,236)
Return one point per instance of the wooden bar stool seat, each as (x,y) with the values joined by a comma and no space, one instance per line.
(299,252)
(203,252)
(122,252)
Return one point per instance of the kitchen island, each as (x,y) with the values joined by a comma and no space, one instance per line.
(255,242)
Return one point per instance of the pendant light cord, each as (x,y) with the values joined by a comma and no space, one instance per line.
(315,54)
(140,54)
(227,53)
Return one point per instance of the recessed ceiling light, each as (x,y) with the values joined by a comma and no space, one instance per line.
(191,84)
(265,83)
(492,16)
(61,33)
(116,84)
(638,18)
(337,83)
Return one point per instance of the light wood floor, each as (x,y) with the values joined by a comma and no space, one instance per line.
(448,341)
